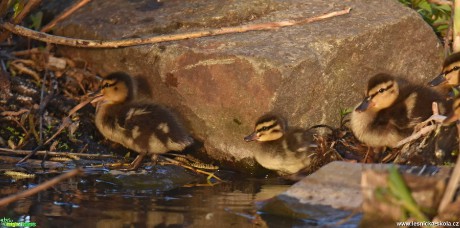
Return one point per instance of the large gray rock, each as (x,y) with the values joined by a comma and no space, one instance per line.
(221,84)
(341,189)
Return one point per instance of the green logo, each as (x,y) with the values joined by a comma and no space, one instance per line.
(7,222)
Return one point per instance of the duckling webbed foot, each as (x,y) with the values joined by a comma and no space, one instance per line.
(136,163)
(154,158)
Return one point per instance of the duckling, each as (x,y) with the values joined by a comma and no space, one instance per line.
(144,127)
(450,75)
(391,109)
(283,150)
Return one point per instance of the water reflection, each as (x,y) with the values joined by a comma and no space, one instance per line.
(160,197)
(90,201)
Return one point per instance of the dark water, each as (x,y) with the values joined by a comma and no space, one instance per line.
(153,199)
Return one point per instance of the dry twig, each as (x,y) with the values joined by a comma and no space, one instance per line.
(14,113)
(59,154)
(42,187)
(417,135)
(67,12)
(22,31)
(174,162)
(27,52)
(20,65)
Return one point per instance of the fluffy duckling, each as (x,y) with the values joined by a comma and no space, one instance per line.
(391,109)
(450,75)
(146,128)
(283,150)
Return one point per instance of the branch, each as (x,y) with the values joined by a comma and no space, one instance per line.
(48,184)
(418,134)
(64,15)
(33,163)
(22,31)
(43,152)
(174,162)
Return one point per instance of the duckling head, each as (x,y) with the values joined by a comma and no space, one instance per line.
(450,72)
(455,115)
(116,88)
(382,91)
(268,127)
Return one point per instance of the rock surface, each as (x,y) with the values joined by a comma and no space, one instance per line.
(338,188)
(338,184)
(221,84)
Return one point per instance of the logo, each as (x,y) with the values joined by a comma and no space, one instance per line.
(7,222)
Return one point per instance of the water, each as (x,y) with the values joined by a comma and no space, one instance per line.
(103,199)
(94,201)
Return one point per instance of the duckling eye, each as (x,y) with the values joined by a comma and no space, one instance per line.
(105,85)
(265,128)
(456,68)
(381,90)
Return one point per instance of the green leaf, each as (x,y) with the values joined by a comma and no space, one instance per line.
(455,91)
(400,191)
(36,20)
(345,111)
(17,8)
(127,155)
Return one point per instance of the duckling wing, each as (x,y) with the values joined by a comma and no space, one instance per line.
(151,125)
(299,141)
(412,107)
(423,106)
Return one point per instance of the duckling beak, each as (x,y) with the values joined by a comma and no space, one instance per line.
(251,137)
(364,105)
(97,97)
(440,79)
